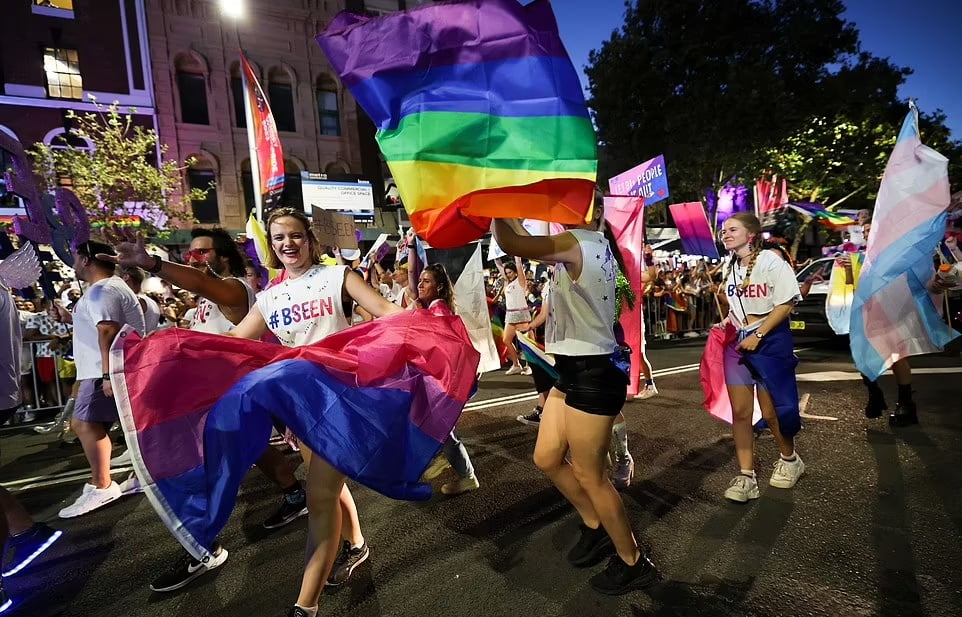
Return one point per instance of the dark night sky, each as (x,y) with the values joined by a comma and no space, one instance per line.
(925,35)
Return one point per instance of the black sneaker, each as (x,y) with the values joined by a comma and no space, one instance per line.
(619,578)
(593,546)
(186,569)
(531,419)
(293,506)
(904,415)
(297,611)
(347,559)
(875,406)
(27,546)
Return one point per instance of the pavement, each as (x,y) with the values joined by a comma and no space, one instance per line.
(874,527)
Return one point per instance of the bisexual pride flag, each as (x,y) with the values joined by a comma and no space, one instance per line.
(376,401)
(479,113)
(693,228)
(893,314)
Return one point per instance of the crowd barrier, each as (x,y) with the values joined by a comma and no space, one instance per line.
(673,316)
(44,385)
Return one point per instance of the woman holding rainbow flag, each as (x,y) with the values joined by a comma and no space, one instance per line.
(590,392)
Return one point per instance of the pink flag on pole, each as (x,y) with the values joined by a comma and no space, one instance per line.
(626,218)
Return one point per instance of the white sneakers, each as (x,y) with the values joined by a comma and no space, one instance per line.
(786,475)
(122,459)
(741,489)
(514,370)
(131,486)
(90,499)
(646,392)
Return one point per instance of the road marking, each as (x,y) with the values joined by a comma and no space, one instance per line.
(803,407)
(856,376)
(75,475)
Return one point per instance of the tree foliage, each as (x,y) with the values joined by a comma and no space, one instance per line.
(119,176)
(732,88)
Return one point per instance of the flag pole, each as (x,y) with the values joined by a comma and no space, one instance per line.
(252,146)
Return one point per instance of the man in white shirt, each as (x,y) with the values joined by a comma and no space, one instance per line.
(104,309)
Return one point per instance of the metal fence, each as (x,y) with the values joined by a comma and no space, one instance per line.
(673,316)
(43,390)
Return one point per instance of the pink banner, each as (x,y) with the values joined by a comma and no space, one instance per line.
(626,218)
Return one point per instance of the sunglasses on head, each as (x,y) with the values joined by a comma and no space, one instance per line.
(198,254)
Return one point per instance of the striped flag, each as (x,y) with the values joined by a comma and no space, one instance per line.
(820,214)
(376,401)
(480,113)
(535,354)
(893,314)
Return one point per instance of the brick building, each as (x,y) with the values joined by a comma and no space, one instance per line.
(196,72)
(54,53)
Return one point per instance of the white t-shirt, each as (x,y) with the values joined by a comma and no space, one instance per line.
(151,314)
(772,282)
(306,309)
(208,317)
(581,313)
(107,300)
(10,351)
(514,299)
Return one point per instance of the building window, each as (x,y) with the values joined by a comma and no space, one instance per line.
(328,112)
(193,98)
(282,105)
(240,113)
(63,73)
(205,210)
(280,93)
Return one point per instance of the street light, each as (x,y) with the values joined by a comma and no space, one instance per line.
(232,8)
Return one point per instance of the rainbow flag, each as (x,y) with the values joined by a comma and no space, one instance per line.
(479,113)
(893,314)
(369,400)
(534,353)
(820,214)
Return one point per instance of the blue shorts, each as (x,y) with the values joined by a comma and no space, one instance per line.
(93,405)
(737,372)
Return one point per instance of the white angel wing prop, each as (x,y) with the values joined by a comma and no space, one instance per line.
(21,269)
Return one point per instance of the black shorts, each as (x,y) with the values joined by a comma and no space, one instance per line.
(543,382)
(592,384)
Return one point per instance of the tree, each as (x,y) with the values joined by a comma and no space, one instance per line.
(708,82)
(119,176)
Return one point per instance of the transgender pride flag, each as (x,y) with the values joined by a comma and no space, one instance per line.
(893,315)
(376,401)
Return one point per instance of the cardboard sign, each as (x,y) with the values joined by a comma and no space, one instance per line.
(333,229)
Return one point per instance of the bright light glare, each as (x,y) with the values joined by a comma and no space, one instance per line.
(232,8)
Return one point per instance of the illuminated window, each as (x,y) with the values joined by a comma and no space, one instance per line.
(63,73)
(66,5)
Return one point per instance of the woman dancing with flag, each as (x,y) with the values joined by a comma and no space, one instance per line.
(581,408)
(280,308)
(758,357)
(436,294)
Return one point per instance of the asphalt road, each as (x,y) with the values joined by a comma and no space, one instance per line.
(873,528)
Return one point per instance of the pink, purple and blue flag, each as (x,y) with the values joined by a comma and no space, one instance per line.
(376,401)
(893,314)
(694,230)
